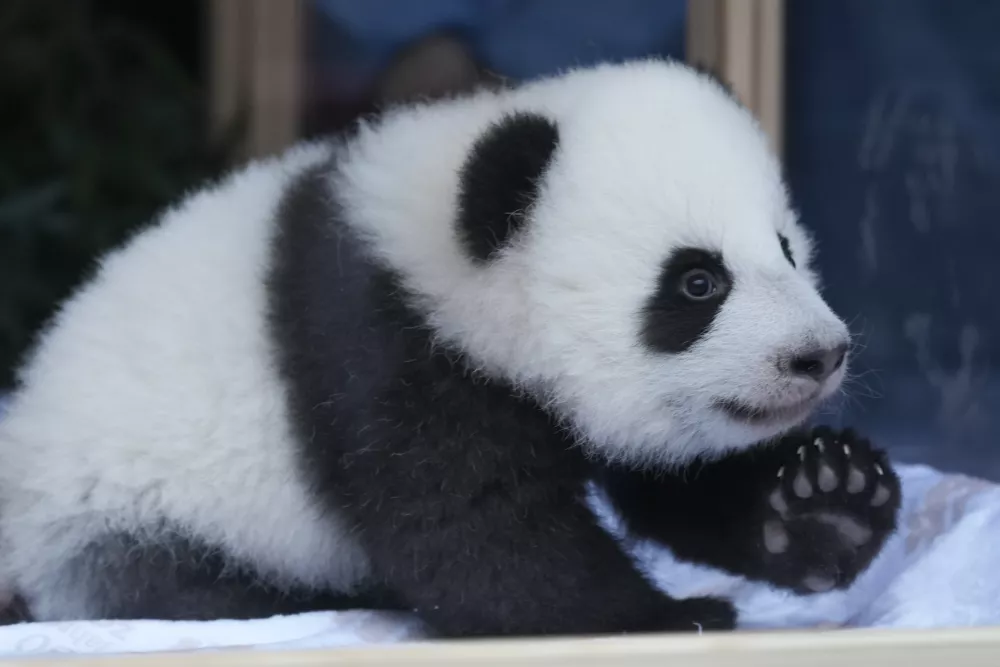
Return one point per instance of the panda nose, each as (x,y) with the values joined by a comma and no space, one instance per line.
(818,364)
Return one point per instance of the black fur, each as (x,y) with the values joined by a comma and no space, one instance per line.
(15,611)
(170,576)
(715,513)
(786,249)
(466,496)
(500,180)
(673,323)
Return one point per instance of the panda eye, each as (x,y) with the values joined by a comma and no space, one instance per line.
(699,285)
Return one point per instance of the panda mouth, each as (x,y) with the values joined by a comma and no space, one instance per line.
(756,414)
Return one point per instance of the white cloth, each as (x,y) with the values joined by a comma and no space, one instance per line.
(938,570)
(304,631)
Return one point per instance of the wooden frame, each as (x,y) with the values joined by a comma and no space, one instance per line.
(257,67)
(978,647)
(743,41)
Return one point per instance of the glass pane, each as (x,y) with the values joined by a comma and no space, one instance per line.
(892,150)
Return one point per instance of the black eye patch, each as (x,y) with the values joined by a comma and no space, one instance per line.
(787,249)
(676,317)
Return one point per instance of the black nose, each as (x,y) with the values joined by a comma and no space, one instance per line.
(818,364)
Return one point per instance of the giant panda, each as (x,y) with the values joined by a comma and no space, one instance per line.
(383,368)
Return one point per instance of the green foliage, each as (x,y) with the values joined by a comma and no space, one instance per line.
(99,129)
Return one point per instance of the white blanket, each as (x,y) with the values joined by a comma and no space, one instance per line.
(939,570)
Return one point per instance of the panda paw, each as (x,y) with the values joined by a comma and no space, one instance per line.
(832,505)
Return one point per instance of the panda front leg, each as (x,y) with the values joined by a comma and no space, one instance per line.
(808,513)
(493,566)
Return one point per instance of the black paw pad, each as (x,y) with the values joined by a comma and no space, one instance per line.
(832,505)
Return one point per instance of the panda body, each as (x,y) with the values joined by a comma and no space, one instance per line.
(391,361)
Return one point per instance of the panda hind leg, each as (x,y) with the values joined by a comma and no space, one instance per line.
(121,576)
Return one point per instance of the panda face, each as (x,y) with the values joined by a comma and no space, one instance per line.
(623,249)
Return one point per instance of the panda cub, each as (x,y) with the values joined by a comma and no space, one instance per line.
(381,370)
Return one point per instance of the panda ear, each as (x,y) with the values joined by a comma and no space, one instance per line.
(500,181)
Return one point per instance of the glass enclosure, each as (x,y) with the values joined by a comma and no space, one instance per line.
(893,155)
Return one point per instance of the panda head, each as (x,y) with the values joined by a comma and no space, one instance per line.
(620,244)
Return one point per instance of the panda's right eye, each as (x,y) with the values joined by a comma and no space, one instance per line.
(691,289)
(699,285)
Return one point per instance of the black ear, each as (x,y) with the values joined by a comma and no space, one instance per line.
(500,179)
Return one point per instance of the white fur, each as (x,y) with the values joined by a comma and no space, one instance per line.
(153,395)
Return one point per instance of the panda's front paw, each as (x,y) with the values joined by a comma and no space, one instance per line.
(832,505)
